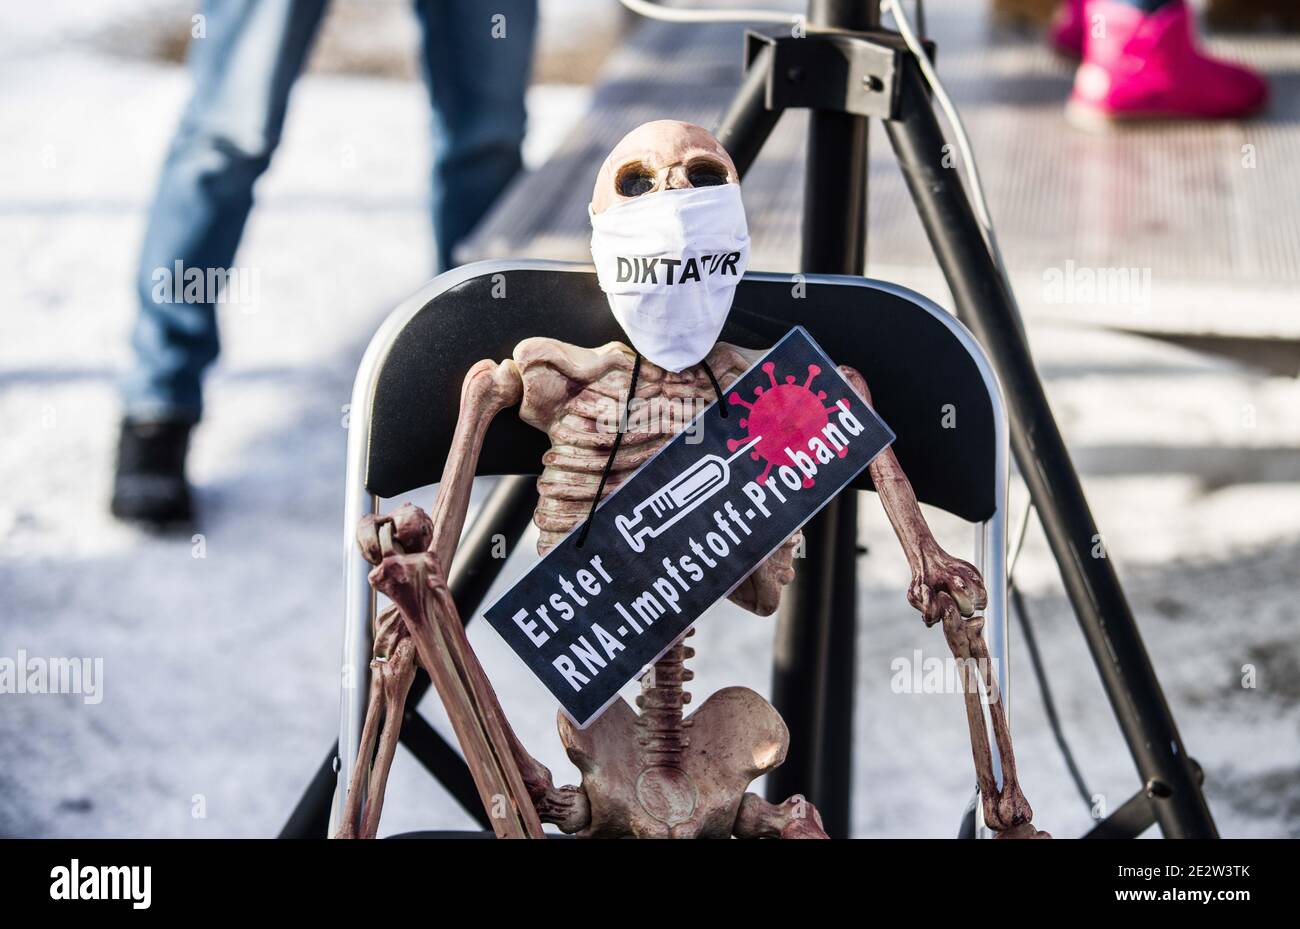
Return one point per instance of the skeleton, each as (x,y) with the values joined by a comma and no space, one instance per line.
(659,772)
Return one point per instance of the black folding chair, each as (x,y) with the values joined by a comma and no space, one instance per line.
(920,363)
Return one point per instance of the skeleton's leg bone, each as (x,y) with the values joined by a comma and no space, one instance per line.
(385,542)
(389,635)
(369,732)
(796,818)
(396,675)
(566,806)
(501,739)
(415,583)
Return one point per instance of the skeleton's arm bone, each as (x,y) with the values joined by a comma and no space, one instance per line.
(939,581)
(1006,811)
(488,389)
(946,589)
(409,550)
(895,490)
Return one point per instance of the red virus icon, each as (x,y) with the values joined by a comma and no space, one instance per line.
(783,416)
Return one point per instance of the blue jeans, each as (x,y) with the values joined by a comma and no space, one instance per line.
(243,71)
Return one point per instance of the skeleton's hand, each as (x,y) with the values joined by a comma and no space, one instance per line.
(760,593)
(567,807)
(407,529)
(944,585)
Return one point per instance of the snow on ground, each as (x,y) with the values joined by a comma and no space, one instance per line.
(220,671)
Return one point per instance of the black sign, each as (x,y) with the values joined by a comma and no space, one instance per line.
(691,524)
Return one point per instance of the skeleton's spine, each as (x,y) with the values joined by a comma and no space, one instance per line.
(663,732)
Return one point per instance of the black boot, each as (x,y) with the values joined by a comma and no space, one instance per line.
(150,485)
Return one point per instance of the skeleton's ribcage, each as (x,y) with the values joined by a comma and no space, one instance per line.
(571,473)
(582,438)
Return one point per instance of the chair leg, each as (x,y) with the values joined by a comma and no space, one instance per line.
(310,819)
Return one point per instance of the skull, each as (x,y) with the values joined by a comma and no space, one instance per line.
(661,155)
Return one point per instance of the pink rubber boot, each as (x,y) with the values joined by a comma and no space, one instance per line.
(1067,32)
(1147,66)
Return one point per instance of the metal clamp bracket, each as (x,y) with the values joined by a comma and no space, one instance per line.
(845,72)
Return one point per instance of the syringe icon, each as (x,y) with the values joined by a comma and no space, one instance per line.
(678,497)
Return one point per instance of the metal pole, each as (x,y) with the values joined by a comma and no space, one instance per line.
(748,122)
(812,681)
(984,304)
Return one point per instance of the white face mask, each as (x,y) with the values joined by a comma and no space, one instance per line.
(669,262)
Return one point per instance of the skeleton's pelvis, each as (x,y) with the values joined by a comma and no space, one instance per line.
(734,737)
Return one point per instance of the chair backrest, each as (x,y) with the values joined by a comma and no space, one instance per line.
(928,378)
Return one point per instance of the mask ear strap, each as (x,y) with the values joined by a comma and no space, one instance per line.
(609,463)
(717,390)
